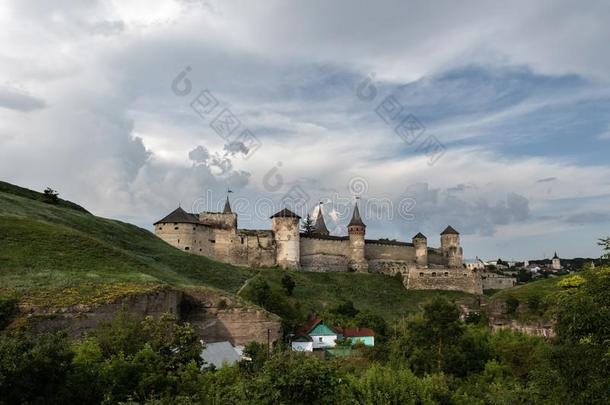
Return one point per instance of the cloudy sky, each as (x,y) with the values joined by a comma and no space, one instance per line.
(493,117)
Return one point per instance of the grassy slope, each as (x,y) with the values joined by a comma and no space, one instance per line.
(54,249)
(380,294)
(546,290)
(62,255)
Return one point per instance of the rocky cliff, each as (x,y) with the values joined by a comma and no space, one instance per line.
(214,316)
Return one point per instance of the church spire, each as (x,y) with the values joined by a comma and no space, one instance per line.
(320,227)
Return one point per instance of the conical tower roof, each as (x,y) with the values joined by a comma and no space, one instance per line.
(320,227)
(285,213)
(555,257)
(450,231)
(356,220)
(420,236)
(179,216)
(227,209)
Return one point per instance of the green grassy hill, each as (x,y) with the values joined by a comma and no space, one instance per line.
(536,300)
(60,255)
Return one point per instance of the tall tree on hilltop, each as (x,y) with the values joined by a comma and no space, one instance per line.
(308,225)
(50,196)
(605,244)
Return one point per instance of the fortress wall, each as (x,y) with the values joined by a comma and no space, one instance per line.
(435,257)
(218,219)
(492,281)
(378,251)
(324,254)
(390,267)
(444,279)
(313,246)
(223,245)
(261,248)
(191,238)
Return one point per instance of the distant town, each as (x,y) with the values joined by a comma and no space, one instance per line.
(533,269)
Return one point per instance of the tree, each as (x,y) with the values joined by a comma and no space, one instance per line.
(512,303)
(579,356)
(308,225)
(50,196)
(288,284)
(435,337)
(605,244)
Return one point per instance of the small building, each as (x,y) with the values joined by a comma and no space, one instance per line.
(357,335)
(316,335)
(218,354)
(302,343)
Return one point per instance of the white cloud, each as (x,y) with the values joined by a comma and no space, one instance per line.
(99,121)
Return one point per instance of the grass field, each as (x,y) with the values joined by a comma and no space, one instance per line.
(59,255)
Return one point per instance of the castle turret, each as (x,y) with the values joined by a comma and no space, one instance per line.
(356,230)
(420,242)
(450,246)
(285,226)
(320,227)
(227,209)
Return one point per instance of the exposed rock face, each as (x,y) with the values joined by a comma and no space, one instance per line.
(217,318)
(78,319)
(499,318)
(214,317)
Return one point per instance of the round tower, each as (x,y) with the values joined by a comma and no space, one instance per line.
(420,242)
(285,227)
(450,246)
(356,230)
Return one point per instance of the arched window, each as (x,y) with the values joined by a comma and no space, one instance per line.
(421,274)
(433,274)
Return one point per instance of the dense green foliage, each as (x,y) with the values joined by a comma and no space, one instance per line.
(432,357)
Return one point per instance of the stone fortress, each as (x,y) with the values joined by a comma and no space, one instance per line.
(216,235)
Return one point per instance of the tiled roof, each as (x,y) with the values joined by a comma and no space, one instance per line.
(356,220)
(285,213)
(357,332)
(450,231)
(320,227)
(227,209)
(179,216)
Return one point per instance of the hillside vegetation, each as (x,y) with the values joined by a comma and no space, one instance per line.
(534,300)
(60,255)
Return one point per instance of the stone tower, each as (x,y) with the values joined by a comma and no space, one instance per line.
(356,230)
(285,227)
(420,242)
(320,227)
(450,246)
(556,263)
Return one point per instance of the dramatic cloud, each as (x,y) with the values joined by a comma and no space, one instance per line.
(517,96)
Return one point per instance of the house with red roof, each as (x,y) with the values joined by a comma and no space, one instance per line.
(356,335)
(318,335)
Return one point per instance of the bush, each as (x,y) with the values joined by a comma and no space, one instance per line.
(512,304)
